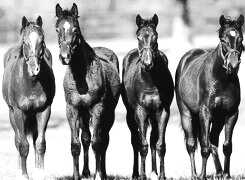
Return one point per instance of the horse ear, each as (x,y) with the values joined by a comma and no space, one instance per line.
(240,21)
(39,21)
(155,19)
(138,20)
(58,10)
(74,9)
(24,22)
(222,20)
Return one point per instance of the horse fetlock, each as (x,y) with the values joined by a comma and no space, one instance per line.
(75,149)
(86,173)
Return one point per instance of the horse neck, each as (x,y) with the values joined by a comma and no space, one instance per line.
(151,76)
(81,59)
(218,71)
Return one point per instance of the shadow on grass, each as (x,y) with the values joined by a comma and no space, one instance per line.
(110,177)
(209,177)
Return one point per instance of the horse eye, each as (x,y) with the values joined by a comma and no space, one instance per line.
(139,38)
(57,30)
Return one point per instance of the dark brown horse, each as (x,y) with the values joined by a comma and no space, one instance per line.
(147,92)
(91,87)
(28,88)
(208,95)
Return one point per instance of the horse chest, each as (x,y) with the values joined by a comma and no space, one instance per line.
(150,99)
(32,101)
(85,93)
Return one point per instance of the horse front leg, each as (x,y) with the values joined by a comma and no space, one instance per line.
(162,118)
(205,120)
(73,119)
(97,144)
(141,119)
(86,139)
(42,119)
(227,146)
(153,142)
(17,118)
(135,140)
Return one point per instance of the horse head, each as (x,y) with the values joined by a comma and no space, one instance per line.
(147,41)
(231,37)
(33,44)
(68,31)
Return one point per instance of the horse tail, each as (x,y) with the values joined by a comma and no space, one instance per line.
(30,126)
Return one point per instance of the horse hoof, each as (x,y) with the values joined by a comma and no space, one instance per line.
(135,176)
(22,177)
(195,178)
(153,176)
(226,176)
(85,174)
(143,177)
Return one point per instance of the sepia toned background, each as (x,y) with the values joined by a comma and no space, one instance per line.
(111,23)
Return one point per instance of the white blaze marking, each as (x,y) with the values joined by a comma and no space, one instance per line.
(233,33)
(66,26)
(33,40)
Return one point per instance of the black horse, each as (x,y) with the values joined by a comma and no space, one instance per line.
(147,93)
(28,88)
(208,95)
(92,89)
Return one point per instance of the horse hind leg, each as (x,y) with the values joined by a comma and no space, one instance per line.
(190,138)
(134,141)
(17,121)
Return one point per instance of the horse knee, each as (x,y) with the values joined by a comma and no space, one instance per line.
(75,148)
(23,148)
(191,145)
(144,150)
(227,148)
(205,151)
(161,149)
(40,146)
(86,139)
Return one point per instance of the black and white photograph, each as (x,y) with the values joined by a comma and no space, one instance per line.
(121,90)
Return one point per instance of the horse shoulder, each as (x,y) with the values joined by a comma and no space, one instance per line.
(11,55)
(130,60)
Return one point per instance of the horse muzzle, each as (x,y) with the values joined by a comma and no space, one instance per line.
(65,53)
(232,62)
(33,66)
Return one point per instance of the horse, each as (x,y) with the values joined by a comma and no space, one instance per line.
(28,87)
(92,89)
(208,96)
(147,93)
